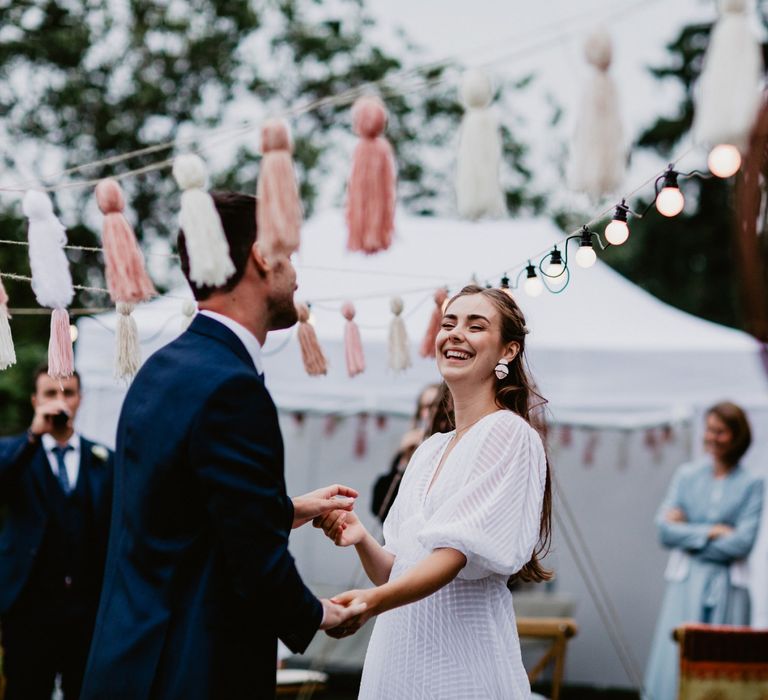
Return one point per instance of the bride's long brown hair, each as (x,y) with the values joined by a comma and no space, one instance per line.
(517,393)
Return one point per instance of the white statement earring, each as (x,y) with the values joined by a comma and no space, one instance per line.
(502,369)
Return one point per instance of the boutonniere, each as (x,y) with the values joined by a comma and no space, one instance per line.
(100,452)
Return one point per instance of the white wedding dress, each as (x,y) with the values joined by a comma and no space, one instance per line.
(461,642)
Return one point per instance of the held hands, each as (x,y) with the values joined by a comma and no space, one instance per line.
(336,615)
(365,602)
(341,526)
(318,503)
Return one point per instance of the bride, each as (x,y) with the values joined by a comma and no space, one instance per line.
(472,511)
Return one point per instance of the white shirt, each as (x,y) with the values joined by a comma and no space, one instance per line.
(252,345)
(71,457)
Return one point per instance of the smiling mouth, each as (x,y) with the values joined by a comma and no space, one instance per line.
(456,355)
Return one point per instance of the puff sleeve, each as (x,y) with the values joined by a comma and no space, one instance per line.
(494,518)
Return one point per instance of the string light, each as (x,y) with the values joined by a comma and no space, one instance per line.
(724,160)
(504,285)
(670,201)
(533,285)
(73,332)
(555,267)
(585,255)
(617,232)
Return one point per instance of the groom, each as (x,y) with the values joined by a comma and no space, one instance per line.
(199,583)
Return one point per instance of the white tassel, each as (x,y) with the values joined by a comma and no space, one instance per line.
(478,190)
(728,92)
(399,355)
(188,309)
(7,351)
(51,279)
(598,157)
(207,247)
(128,352)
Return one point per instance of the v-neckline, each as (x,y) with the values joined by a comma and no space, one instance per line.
(442,458)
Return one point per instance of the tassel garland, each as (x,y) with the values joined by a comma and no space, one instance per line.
(61,359)
(371,187)
(597,159)
(7,351)
(51,279)
(478,191)
(128,353)
(353,346)
(207,246)
(399,355)
(729,89)
(127,277)
(311,352)
(278,212)
(428,343)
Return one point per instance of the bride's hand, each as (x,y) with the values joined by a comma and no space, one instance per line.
(367,599)
(343,527)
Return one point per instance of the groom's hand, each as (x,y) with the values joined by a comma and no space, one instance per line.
(367,599)
(335,615)
(311,505)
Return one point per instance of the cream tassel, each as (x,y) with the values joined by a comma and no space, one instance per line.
(128,352)
(7,351)
(399,355)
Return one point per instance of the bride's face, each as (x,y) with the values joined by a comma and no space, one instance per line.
(469,345)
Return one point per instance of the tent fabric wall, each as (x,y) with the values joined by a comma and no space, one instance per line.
(605,354)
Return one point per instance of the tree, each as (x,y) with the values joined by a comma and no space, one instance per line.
(688,261)
(84,82)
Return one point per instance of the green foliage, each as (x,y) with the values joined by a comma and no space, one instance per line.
(687,261)
(81,82)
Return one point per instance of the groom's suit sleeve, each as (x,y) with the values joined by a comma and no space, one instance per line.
(233,449)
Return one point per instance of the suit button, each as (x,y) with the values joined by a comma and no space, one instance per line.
(67,581)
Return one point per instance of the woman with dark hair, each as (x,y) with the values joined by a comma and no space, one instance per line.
(473,511)
(387,485)
(709,519)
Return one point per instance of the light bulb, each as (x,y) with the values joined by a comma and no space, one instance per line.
(617,231)
(73,332)
(533,286)
(724,160)
(586,256)
(670,201)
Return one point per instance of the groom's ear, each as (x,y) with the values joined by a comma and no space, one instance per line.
(259,260)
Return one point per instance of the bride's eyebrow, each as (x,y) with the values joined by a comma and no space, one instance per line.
(477,317)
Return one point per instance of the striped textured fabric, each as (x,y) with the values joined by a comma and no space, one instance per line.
(461,642)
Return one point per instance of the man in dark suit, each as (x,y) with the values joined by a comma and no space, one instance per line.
(56,487)
(199,582)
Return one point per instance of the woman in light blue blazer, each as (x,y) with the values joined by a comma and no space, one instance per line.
(709,520)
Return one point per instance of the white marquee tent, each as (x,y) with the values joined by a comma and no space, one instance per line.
(612,360)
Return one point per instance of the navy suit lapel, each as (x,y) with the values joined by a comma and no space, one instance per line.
(94,473)
(39,467)
(204,325)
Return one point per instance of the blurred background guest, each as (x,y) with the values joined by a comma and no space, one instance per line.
(386,487)
(709,519)
(56,487)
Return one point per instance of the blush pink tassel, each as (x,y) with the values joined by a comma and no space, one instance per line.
(61,360)
(311,352)
(127,277)
(371,188)
(278,212)
(427,348)
(353,345)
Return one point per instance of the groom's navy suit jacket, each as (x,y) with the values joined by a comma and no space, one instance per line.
(199,583)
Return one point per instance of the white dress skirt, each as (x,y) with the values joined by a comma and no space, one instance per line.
(461,642)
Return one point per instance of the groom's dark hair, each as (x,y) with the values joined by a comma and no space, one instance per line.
(238,217)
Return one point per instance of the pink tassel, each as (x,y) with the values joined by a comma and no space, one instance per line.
(428,344)
(127,277)
(371,189)
(311,352)
(61,360)
(353,346)
(278,212)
